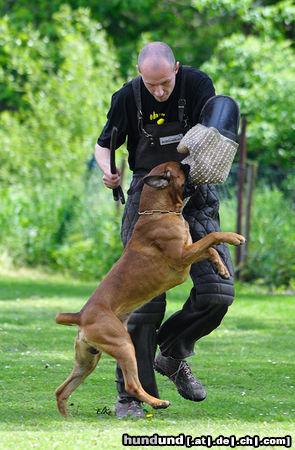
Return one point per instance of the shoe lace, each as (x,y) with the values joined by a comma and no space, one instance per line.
(183,366)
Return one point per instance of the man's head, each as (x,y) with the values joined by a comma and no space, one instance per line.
(156,64)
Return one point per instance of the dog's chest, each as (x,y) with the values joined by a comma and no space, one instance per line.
(189,240)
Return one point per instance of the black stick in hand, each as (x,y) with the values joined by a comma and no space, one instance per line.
(117,192)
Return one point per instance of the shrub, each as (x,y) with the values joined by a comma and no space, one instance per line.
(272,245)
(57,92)
(272,237)
(72,228)
(63,105)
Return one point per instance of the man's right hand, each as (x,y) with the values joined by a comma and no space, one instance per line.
(102,156)
(112,180)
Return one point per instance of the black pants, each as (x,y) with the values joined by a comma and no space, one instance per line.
(201,313)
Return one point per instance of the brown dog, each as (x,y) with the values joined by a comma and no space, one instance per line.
(157,257)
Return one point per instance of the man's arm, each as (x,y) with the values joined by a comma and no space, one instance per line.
(102,156)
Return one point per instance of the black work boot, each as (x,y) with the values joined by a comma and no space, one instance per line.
(131,410)
(178,371)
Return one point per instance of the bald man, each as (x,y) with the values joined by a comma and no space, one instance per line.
(154,111)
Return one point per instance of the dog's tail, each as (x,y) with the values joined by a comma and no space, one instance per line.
(68,318)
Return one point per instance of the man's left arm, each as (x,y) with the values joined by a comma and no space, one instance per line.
(204,91)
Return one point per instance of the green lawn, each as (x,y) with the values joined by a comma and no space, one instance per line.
(247,366)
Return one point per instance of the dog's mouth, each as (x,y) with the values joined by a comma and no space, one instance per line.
(188,187)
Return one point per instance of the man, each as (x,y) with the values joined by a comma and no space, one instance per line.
(154,111)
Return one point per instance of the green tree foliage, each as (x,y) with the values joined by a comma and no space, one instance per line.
(60,91)
(192,27)
(259,73)
(59,65)
(56,94)
(196,30)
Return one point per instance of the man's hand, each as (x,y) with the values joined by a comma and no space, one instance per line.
(102,156)
(112,180)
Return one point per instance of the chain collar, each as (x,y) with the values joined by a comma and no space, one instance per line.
(155,211)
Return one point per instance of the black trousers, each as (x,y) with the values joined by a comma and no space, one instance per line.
(202,312)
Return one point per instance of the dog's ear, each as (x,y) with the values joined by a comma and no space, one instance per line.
(159,181)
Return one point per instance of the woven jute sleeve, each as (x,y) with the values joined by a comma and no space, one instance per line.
(210,154)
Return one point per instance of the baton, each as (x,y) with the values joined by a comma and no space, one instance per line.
(117,192)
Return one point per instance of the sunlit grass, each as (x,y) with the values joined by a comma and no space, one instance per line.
(246,365)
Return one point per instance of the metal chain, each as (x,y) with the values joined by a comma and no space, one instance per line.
(152,211)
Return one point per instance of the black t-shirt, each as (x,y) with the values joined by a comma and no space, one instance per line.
(123,113)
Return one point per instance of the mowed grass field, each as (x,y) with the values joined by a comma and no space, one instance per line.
(247,366)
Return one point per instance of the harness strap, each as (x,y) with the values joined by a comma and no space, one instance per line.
(182,101)
(137,97)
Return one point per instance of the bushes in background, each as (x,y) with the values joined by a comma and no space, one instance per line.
(56,89)
(72,228)
(272,245)
(272,238)
(76,229)
(56,93)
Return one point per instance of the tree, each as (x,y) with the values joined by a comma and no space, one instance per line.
(259,73)
(60,92)
(218,31)
(192,27)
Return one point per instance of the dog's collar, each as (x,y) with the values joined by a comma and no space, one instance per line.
(158,211)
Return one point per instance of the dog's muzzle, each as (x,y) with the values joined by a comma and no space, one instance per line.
(188,187)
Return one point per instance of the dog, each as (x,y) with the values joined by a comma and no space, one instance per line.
(157,257)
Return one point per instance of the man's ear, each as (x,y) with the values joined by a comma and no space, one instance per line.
(157,181)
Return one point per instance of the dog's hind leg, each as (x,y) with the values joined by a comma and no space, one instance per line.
(86,359)
(128,364)
(112,338)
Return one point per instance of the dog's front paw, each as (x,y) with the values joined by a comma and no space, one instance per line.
(239,239)
(235,239)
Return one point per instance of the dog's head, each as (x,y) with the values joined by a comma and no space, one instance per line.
(174,175)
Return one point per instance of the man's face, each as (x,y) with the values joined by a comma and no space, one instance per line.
(159,78)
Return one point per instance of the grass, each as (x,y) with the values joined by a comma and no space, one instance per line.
(247,366)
